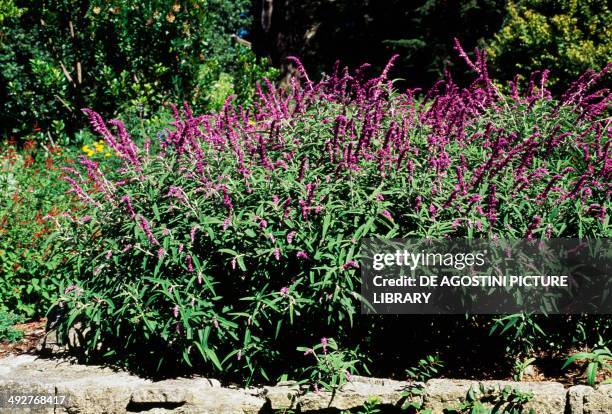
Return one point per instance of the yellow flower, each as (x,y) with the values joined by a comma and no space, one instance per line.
(96,10)
(107,154)
(99,147)
(176,7)
(170,17)
(87,150)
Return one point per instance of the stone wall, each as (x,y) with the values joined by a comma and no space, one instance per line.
(92,389)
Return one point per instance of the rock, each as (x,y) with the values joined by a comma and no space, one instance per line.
(530,373)
(176,391)
(583,399)
(599,401)
(575,398)
(74,344)
(85,389)
(193,396)
(355,393)
(98,390)
(283,396)
(49,345)
(441,394)
(228,401)
(17,389)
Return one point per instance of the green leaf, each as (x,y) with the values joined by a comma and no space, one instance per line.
(591,373)
(574,357)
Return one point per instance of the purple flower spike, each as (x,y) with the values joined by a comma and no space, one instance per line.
(351,264)
(70,289)
(387,215)
(189,264)
(290,236)
(146,227)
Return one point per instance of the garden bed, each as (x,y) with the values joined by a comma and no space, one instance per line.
(33,331)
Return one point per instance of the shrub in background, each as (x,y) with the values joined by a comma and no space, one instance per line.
(58,57)
(7,329)
(33,195)
(8,9)
(232,238)
(567,37)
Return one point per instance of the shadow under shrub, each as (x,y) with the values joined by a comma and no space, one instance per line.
(232,239)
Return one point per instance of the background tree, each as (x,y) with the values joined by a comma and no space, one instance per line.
(323,31)
(568,37)
(60,56)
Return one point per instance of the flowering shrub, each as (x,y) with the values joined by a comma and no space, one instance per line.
(232,238)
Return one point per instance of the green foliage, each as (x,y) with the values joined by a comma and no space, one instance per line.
(491,400)
(414,401)
(370,406)
(527,335)
(478,400)
(426,368)
(521,330)
(599,359)
(58,57)
(520,365)
(567,37)
(332,367)
(8,9)
(33,197)
(7,330)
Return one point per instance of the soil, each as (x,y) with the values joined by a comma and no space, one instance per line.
(32,332)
